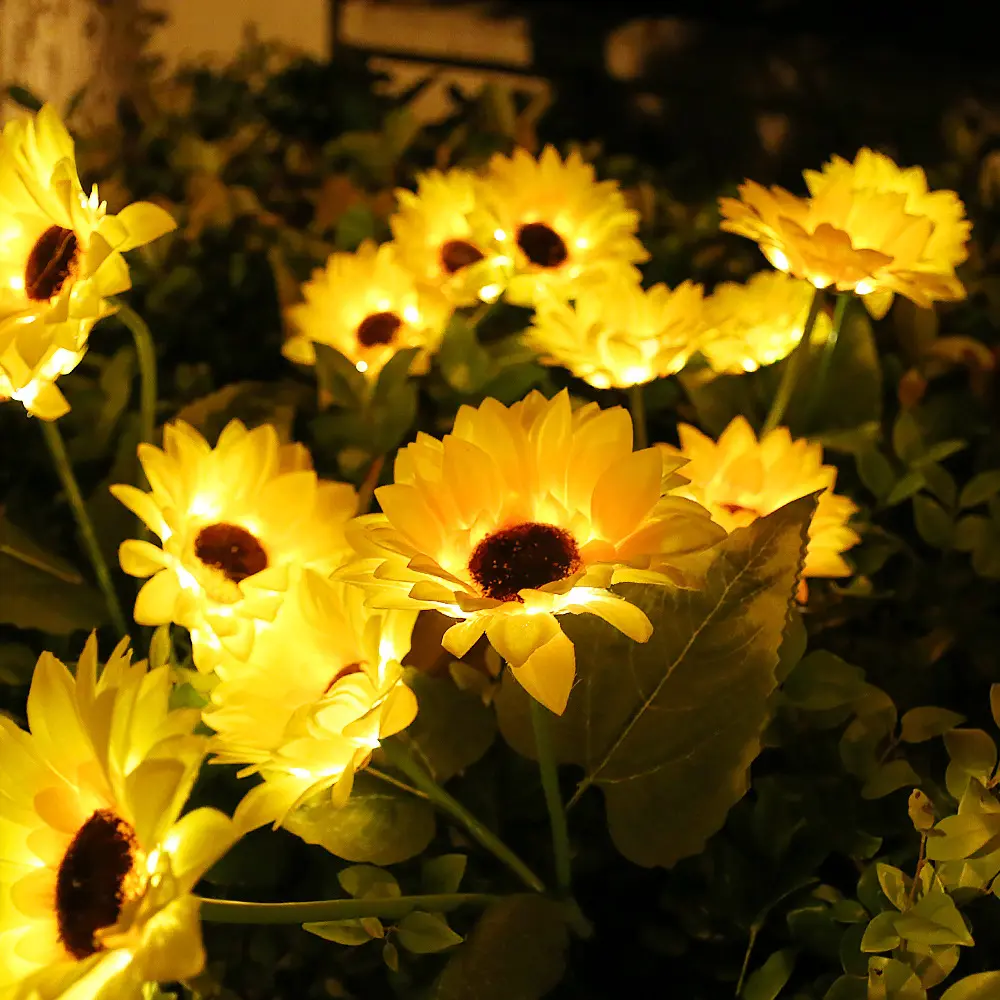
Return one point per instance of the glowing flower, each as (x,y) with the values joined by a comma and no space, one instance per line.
(323,687)
(367,306)
(522,514)
(757,323)
(554,226)
(618,335)
(237,523)
(60,258)
(740,479)
(867,227)
(434,240)
(96,870)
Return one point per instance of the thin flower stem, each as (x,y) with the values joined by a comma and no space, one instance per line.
(637,404)
(367,490)
(400,757)
(826,358)
(227,911)
(145,352)
(553,800)
(57,449)
(793,367)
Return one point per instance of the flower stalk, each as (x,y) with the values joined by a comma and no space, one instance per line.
(228,911)
(60,459)
(826,358)
(793,367)
(637,406)
(146,355)
(553,800)
(400,757)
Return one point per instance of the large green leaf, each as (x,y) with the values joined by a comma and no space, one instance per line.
(668,729)
(379,824)
(453,728)
(516,952)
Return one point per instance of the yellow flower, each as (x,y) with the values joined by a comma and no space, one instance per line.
(96,870)
(740,479)
(237,523)
(757,323)
(554,226)
(522,514)
(60,258)
(324,685)
(868,227)
(434,240)
(618,335)
(367,306)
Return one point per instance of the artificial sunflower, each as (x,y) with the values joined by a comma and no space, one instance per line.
(739,479)
(757,323)
(867,227)
(522,514)
(367,306)
(618,335)
(236,522)
(324,685)
(60,259)
(434,240)
(554,226)
(96,869)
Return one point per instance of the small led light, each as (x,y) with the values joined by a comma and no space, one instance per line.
(362,366)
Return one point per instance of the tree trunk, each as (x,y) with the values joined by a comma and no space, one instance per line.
(63,51)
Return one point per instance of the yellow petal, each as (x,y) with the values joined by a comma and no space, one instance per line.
(196,841)
(139,558)
(626,493)
(144,222)
(154,604)
(516,636)
(548,674)
(460,638)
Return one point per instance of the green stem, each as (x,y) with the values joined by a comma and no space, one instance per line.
(826,358)
(553,800)
(57,448)
(637,404)
(227,911)
(145,353)
(400,757)
(793,367)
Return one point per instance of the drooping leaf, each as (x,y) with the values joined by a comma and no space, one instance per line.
(379,824)
(426,933)
(31,598)
(668,729)
(516,952)
(453,728)
(349,932)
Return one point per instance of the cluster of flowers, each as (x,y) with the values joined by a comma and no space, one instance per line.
(300,610)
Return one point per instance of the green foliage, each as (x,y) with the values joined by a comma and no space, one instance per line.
(710,664)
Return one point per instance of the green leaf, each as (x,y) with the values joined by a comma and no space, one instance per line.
(349,932)
(980,488)
(934,920)
(894,884)
(934,524)
(17,664)
(847,988)
(442,874)
(709,668)
(926,722)
(881,933)
(875,472)
(161,647)
(393,378)
(982,986)
(465,364)
(254,403)
(355,225)
(368,882)
(426,933)
(888,778)
(823,681)
(907,439)
(941,483)
(995,703)
(973,750)
(390,956)
(770,979)
(18,545)
(960,836)
(891,979)
(26,98)
(453,728)
(379,824)
(31,598)
(517,951)
(339,378)
(913,482)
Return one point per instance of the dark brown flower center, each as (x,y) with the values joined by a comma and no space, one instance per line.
(542,245)
(524,556)
(456,254)
(232,549)
(351,668)
(736,508)
(93,881)
(51,261)
(379,328)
